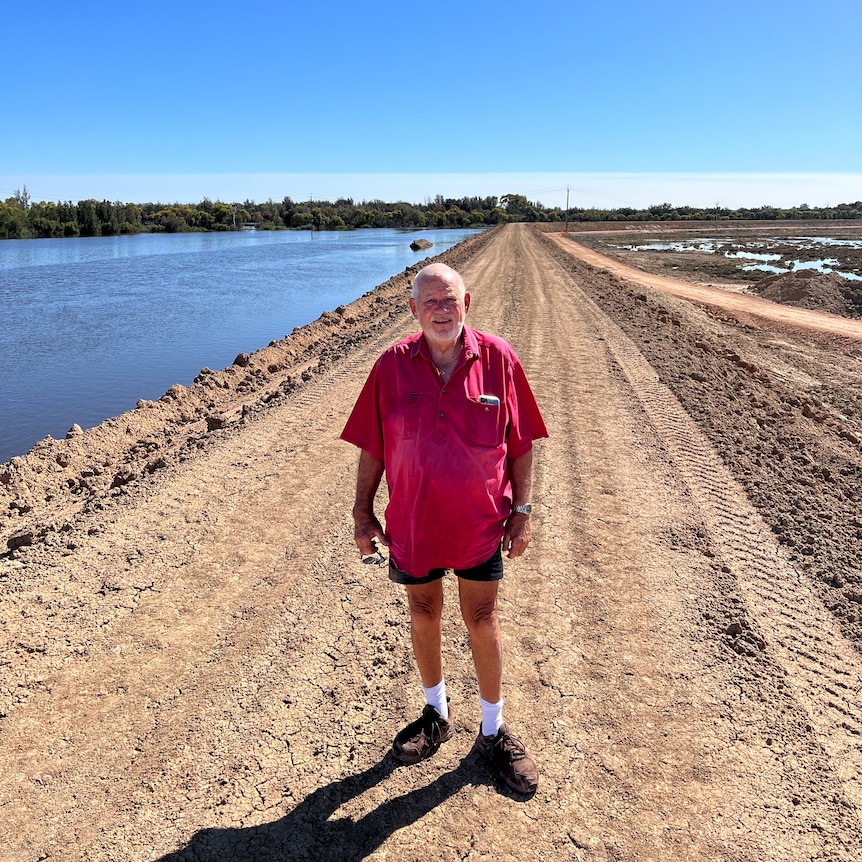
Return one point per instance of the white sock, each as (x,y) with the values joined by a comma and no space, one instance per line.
(436,697)
(492,717)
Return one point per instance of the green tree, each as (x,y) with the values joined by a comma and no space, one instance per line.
(518,208)
(222,214)
(87,218)
(361,218)
(13,222)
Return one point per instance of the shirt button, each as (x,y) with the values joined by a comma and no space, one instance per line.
(442,413)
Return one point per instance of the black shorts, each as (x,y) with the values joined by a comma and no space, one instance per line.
(490,570)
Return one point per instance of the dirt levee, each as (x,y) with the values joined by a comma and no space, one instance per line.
(197,666)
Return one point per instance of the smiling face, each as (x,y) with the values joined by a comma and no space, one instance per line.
(440,304)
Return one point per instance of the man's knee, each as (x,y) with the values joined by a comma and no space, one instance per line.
(425,606)
(480,614)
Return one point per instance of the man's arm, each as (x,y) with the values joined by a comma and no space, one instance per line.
(366,526)
(517,535)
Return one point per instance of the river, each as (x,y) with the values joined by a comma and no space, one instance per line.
(91,325)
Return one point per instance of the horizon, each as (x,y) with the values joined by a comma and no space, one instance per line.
(580,191)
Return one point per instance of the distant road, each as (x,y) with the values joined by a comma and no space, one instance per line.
(738,303)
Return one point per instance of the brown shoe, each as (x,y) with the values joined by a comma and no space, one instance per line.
(509,759)
(421,738)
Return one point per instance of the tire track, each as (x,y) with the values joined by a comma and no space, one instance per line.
(820,666)
(603,622)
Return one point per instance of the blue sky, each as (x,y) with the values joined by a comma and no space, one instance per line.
(626,103)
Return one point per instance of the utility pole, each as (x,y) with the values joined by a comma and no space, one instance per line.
(566,231)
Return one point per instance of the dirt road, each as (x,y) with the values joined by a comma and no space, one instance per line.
(751,307)
(196,666)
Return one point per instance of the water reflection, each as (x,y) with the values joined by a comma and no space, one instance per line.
(765,261)
(750,255)
(90,325)
(825,266)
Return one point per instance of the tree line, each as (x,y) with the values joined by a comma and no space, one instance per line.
(20,218)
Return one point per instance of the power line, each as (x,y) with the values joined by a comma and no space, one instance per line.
(38,197)
(582,191)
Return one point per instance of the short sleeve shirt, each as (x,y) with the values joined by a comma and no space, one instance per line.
(444,447)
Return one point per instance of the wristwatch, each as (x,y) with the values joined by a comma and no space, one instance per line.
(524,509)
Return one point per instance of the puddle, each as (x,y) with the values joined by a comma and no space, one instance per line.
(691,245)
(750,255)
(828,240)
(824,266)
(765,261)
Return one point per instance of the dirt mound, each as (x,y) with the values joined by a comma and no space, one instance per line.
(807,288)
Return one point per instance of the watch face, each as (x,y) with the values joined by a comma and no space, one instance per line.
(526,509)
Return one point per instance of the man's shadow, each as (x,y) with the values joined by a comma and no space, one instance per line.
(307,833)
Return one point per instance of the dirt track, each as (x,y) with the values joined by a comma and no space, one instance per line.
(196,666)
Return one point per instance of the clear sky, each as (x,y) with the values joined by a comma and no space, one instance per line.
(626,103)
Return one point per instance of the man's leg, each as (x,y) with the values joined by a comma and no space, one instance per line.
(479,609)
(500,747)
(421,738)
(426,629)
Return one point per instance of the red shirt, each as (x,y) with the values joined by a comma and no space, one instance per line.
(445,451)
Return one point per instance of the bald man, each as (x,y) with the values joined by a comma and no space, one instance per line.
(448,416)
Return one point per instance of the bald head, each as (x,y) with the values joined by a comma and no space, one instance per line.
(440,273)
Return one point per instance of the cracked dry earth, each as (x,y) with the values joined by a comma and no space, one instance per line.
(196,665)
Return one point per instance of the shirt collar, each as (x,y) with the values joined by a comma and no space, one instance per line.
(471,346)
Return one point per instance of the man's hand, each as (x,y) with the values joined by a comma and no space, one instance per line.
(367,528)
(517,535)
(366,531)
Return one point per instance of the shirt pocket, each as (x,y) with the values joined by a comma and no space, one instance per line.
(401,419)
(484,423)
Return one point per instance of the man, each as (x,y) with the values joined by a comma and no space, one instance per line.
(449,417)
